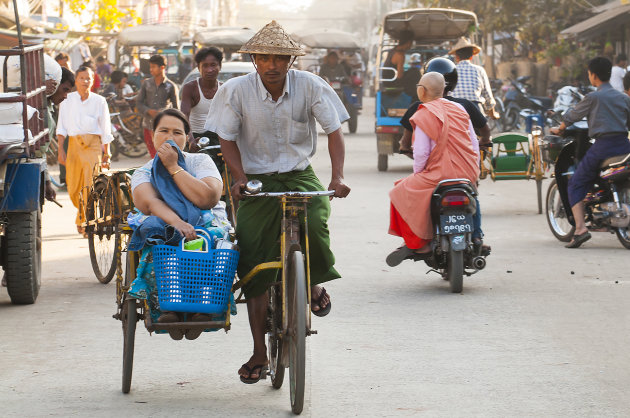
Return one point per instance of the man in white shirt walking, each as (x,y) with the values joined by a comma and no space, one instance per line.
(618,71)
(84,118)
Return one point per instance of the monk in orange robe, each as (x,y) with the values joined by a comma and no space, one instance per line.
(445,146)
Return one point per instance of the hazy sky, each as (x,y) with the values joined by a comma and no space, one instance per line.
(285,5)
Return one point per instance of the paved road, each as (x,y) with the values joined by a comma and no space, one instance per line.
(543,331)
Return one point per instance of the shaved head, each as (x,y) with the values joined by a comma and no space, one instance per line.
(433,84)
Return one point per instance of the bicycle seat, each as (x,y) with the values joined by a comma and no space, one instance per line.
(615,161)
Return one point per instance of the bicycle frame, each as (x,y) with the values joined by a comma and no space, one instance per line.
(293,203)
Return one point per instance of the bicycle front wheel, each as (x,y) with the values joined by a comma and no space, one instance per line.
(296,306)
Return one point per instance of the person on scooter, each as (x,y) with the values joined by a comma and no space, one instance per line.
(473,81)
(449,71)
(608,114)
(331,69)
(445,146)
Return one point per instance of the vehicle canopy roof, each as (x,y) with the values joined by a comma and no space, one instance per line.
(430,25)
(150,35)
(228,37)
(327,39)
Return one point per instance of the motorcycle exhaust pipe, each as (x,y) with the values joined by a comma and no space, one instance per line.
(479,262)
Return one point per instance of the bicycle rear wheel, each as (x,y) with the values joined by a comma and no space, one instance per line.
(104,236)
(296,338)
(134,147)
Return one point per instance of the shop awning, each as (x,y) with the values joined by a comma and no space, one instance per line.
(601,22)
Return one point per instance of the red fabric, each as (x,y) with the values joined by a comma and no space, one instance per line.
(398,226)
(453,157)
(148,139)
(97,83)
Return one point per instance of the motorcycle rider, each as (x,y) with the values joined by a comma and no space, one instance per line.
(445,147)
(608,114)
(331,69)
(473,80)
(449,71)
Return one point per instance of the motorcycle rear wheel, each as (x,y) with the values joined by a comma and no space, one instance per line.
(623,234)
(455,270)
(556,215)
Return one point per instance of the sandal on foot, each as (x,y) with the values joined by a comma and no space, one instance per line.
(579,240)
(192,334)
(261,368)
(398,255)
(318,301)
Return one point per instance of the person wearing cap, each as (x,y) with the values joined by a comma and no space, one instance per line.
(265,121)
(473,83)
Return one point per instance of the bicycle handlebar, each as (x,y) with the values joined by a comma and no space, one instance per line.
(290,194)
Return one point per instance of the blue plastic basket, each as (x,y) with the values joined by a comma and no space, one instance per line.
(194,281)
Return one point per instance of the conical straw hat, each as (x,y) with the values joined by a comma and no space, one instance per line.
(465,43)
(272,39)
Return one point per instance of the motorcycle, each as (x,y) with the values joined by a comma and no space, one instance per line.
(517,99)
(348,92)
(607,205)
(127,141)
(453,253)
(496,125)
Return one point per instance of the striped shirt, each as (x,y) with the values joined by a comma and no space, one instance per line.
(473,84)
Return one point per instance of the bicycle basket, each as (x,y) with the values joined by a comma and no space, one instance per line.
(194,281)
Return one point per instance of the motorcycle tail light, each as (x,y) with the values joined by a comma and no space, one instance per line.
(455,199)
(387,130)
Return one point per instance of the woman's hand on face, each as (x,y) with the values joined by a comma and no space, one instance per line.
(186,229)
(168,155)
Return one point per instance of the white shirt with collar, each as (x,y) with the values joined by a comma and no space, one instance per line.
(616,78)
(280,136)
(80,117)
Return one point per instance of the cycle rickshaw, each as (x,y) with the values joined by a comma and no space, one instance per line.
(516,156)
(289,314)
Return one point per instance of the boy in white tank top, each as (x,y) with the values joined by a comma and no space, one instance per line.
(197,96)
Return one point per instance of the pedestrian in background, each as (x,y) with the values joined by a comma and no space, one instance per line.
(84,118)
(63,59)
(157,93)
(618,71)
(198,94)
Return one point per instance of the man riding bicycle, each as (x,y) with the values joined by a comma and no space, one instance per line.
(266,125)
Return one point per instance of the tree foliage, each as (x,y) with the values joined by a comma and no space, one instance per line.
(107,15)
(537,22)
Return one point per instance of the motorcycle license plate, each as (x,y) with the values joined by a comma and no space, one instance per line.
(456,224)
(336,85)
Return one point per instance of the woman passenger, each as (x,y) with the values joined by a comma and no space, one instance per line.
(195,176)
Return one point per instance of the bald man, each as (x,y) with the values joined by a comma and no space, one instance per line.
(445,146)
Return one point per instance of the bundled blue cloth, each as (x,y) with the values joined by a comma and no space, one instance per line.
(153,230)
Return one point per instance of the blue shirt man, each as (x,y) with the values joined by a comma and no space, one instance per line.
(608,114)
